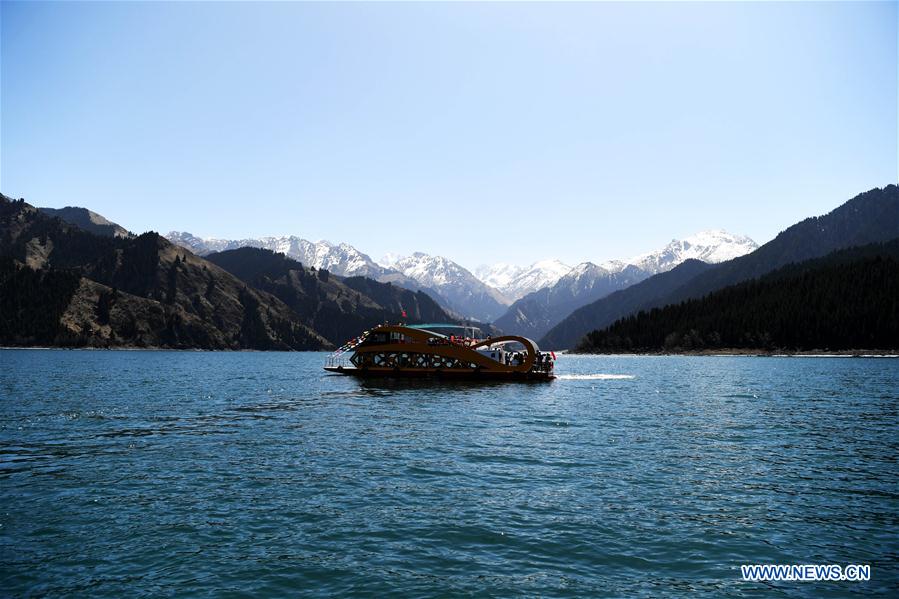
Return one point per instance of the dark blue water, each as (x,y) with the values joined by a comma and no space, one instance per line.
(209,474)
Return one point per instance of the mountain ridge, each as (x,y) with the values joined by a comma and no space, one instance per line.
(841,301)
(464,293)
(487,293)
(341,259)
(535,314)
(88,220)
(514,282)
(338,308)
(61,285)
(869,217)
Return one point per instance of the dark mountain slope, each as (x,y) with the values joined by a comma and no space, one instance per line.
(870,217)
(88,221)
(419,305)
(621,303)
(108,291)
(847,300)
(337,308)
(537,312)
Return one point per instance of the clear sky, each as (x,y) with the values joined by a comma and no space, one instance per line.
(482,132)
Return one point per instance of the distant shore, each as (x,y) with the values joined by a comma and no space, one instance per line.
(732,352)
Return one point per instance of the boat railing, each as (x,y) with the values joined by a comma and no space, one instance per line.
(340,358)
(338,361)
(463,341)
(544,365)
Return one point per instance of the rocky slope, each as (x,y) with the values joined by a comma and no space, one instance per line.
(61,285)
(87,220)
(337,308)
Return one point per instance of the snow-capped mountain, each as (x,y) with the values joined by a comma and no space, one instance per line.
(514,282)
(497,275)
(537,312)
(711,246)
(549,289)
(197,245)
(341,259)
(462,291)
(534,314)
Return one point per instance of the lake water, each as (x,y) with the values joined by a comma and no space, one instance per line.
(128,474)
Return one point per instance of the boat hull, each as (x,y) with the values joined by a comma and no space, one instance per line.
(444,374)
(397,351)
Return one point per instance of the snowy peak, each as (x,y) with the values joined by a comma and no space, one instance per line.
(584,277)
(514,282)
(485,296)
(711,246)
(719,246)
(464,293)
(435,271)
(536,313)
(188,241)
(202,246)
(498,275)
(585,269)
(342,259)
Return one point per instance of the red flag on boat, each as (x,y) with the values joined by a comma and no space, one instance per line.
(553,354)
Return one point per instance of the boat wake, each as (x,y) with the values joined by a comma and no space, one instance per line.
(594,377)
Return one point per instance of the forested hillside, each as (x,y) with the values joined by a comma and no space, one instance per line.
(60,285)
(847,300)
(621,303)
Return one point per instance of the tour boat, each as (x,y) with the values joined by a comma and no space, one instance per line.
(441,351)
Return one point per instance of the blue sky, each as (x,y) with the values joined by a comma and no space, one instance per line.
(482,132)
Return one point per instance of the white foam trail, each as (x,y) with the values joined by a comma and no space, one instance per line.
(594,377)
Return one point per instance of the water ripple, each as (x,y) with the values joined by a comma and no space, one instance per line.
(206,474)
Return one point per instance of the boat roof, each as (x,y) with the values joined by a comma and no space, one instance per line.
(441,326)
(444,325)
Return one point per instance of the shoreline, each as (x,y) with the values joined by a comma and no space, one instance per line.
(722,353)
(739,352)
(153,349)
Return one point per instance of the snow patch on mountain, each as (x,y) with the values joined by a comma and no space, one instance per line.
(536,313)
(485,296)
(464,292)
(341,259)
(711,246)
(498,275)
(515,282)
